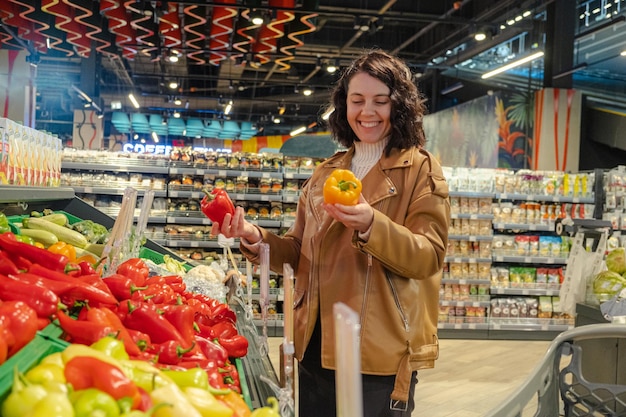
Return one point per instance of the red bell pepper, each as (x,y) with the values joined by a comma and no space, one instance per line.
(121,286)
(42,300)
(84,372)
(224,329)
(141,339)
(7,266)
(82,291)
(145,317)
(83,331)
(21,324)
(155,294)
(216,205)
(135,269)
(182,318)
(104,315)
(171,353)
(32,253)
(236,346)
(212,351)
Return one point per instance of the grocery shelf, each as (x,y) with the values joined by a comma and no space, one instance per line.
(151,166)
(524,226)
(547,260)
(546,198)
(27,194)
(524,291)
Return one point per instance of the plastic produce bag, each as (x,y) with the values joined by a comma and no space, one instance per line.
(582,266)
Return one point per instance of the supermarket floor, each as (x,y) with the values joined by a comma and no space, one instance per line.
(471,376)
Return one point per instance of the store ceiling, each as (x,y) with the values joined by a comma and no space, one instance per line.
(109,48)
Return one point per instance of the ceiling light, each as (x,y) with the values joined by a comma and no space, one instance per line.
(623,53)
(332,66)
(480,36)
(173,85)
(512,65)
(307,91)
(178,101)
(281,108)
(116,105)
(257,17)
(229,107)
(133,100)
(176,115)
(297,131)
(155,137)
(328,112)
(452,88)
(276,120)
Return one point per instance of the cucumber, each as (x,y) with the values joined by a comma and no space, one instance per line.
(56,218)
(83,251)
(42,236)
(95,248)
(63,233)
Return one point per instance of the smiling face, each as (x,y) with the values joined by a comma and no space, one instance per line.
(368,108)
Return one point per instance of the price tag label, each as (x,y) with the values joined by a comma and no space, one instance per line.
(196,194)
(240,197)
(174,171)
(221,173)
(499,258)
(265,198)
(88,190)
(173,193)
(532,227)
(206,221)
(530,197)
(528,259)
(194,244)
(458,326)
(471,326)
(265,175)
(200,171)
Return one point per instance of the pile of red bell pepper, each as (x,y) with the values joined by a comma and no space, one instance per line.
(155,317)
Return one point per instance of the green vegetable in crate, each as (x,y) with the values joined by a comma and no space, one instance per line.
(4,223)
(606,284)
(42,236)
(616,260)
(62,233)
(93,232)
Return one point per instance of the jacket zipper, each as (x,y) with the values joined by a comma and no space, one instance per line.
(397,301)
(367,284)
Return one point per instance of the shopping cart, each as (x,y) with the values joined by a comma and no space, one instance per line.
(558,385)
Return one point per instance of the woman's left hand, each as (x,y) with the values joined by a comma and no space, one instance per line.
(358,217)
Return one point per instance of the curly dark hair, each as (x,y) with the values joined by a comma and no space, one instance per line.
(407,105)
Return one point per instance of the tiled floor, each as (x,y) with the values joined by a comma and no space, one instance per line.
(471,376)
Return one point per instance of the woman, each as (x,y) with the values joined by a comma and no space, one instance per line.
(382,257)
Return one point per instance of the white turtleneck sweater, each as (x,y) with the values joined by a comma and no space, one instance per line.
(365,157)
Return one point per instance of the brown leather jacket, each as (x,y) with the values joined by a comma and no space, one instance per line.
(392,280)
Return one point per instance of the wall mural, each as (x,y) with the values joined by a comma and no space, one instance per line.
(488,132)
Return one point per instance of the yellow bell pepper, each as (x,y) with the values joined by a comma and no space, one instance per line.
(342,187)
(206,403)
(177,403)
(144,375)
(63,248)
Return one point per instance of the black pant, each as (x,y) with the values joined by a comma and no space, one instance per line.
(316,388)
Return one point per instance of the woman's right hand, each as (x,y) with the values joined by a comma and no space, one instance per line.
(237,226)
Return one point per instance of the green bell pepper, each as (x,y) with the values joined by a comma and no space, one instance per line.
(111,347)
(194,377)
(4,223)
(267,411)
(93,402)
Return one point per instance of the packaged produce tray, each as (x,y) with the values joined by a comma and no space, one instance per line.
(157,257)
(29,356)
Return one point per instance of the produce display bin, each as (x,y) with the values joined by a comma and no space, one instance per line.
(20,201)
